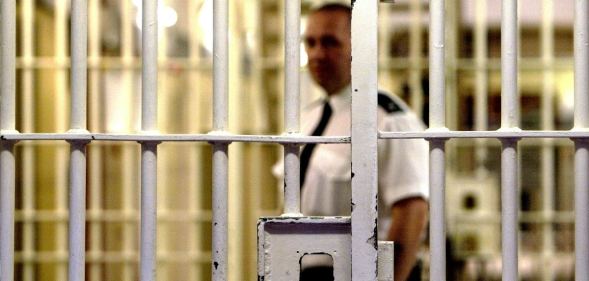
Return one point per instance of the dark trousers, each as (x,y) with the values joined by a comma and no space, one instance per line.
(321,273)
(325,273)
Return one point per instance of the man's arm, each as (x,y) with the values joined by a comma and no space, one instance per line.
(409,221)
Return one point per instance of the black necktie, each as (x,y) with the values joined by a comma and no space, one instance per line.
(308,149)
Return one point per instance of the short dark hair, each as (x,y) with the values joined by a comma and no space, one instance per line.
(334,7)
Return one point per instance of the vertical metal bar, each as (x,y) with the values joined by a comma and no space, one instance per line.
(581,145)
(148,262)
(509,55)
(581,61)
(148,211)
(364,140)
(77,229)
(149,71)
(581,217)
(77,217)
(8,58)
(8,66)
(437,65)
(509,121)
(437,176)
(292,13)
(28,114)
(547,166)
(7,123)
(79,54)
(437,121)
(220,64)
(7,184)
(509,206)
(220,150)
(220,222)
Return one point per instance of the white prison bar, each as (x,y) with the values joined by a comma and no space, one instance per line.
(509,122)
(581,30)
(7,124)
(220,149)
(148,262)
(437,147)
(292,191)
(77,199)
(364,140)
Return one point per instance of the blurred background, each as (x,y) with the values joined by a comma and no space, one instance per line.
(256,107)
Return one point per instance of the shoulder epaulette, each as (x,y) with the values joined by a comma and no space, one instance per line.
(388,104)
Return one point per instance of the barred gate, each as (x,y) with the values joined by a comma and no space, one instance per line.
(363,139)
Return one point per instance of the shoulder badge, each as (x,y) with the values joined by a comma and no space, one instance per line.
(387,103)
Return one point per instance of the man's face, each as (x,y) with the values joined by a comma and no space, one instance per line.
(328,46)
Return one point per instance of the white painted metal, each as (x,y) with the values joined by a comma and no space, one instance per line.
(148,263)
(437,121)
(509,122)
(284,241)
(581,118)
(292,196)
(149,69)
(509,56)
(77,217)
(220,221)
(581,59)
(79,60)
(220,149)
(224,137)
(437,65)
(386,261)
(581,201)
(7,123)
(437,177)
(77,199)
(8,80)
(364,140)
(7,174)
(509,209)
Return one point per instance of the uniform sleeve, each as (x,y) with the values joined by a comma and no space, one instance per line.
(403,163)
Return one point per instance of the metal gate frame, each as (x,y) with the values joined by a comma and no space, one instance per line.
(363,139)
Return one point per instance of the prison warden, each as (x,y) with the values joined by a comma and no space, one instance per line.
(325,168)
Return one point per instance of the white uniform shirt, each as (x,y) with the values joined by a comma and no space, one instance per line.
(402,164)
